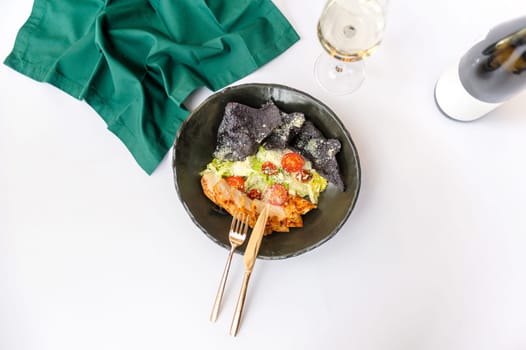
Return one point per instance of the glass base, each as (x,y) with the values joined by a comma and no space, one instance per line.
(338,77)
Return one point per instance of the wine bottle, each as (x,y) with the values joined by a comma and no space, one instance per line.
(487,75)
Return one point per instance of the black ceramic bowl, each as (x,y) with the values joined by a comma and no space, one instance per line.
(196,140)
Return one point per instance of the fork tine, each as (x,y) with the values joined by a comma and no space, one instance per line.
(234,222)
(239,223)
(245,225)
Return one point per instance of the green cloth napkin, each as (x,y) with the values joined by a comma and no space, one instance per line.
(135,61)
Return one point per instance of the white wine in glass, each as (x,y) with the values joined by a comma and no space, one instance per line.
(349,31)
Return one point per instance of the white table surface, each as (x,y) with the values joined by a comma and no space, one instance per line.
(95,254)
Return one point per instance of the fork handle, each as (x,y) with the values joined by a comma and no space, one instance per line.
(234,326)
(221,289)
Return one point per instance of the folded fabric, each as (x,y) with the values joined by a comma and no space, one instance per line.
(136,61)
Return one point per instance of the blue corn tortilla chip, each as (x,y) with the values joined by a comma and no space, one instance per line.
(311,144)
(280,137)
(243,128)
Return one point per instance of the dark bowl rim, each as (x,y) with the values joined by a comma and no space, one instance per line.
(274,86)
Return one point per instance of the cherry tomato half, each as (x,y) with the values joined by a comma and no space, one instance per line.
(269,168)
(292,162)
(254,194)
(237,182)
(276,194)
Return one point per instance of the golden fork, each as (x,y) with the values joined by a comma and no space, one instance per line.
(236,236)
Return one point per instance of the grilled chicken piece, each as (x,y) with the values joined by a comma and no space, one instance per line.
(280,219)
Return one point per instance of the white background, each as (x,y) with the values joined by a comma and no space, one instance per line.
(95,254)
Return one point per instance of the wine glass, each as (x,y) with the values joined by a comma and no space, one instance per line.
(349,31)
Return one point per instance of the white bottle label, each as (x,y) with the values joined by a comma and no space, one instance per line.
(455,102)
